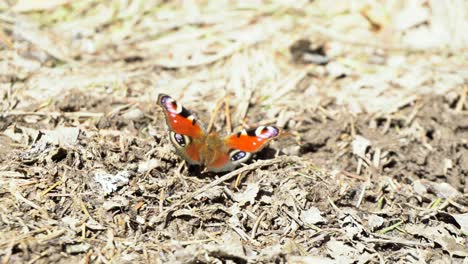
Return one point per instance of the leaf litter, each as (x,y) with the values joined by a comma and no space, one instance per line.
(372,95)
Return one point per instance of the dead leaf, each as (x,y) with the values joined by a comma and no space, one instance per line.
(63,136)
(462,220)
(375,222)
(19,134)
(440,235)
(210,194)
(360,145)
(149,165)
(230,247)
(312,216)
(77,248)
(249,195)
(109,182)
(440,189)
(443,190)
(341,252)
(116,202)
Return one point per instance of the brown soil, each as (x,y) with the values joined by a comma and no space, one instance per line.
(372,167)
(76,217)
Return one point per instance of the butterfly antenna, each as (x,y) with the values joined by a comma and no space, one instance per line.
(227,112)
(286,134)
(215,112)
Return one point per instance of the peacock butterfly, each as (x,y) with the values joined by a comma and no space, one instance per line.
(211,151)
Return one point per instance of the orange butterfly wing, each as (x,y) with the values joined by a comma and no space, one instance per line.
(179,119)
(252,140)
(242,145)
(186,134)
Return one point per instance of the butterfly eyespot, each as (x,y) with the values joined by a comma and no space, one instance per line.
(171,105)
(238,155)
(165,99)
(267,131)
(179,139)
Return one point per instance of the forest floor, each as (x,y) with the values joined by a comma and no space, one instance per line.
(372,99)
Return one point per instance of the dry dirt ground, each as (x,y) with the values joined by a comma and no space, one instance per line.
(372,96)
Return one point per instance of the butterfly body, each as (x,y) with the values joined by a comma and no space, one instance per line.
(211,151)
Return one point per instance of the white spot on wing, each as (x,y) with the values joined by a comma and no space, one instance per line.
(191,118)
(258,131)
(179,108)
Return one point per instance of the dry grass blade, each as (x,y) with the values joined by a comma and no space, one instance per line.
(5,40)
